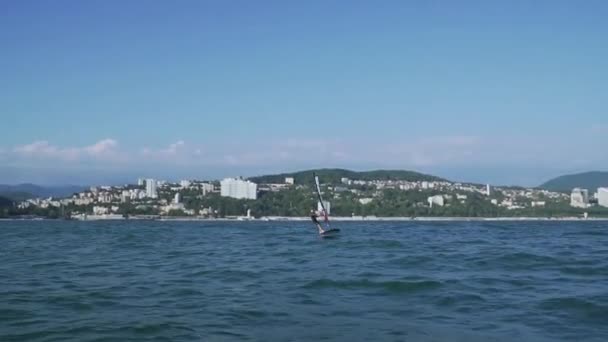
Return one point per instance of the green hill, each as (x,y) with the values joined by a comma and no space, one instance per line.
(588,180)
(17,196)
(25,191)
(333,176)
(5,207)
(5,202)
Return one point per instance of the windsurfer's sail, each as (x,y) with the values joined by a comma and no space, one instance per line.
(321,202)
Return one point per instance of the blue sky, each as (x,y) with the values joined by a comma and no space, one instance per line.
(102,91)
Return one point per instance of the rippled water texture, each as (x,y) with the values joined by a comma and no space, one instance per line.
(216,281)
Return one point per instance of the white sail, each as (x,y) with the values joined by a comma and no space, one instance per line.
(322,203)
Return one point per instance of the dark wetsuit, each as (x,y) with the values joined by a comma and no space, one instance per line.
(313,217)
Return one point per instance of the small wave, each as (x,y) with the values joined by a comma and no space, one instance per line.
(389,286)
(174,254)
(520,260)
(473,242)
(458,299)
(235,275)
(77,302)
(185,292)
(250,314)
(309,302)
(52,264)
(523,256)
(496,285)
(414,260)
(10,314)
(385,243)
(228,334)
(586,233)
(585,271)
(128,237)
(369,274)
(151,328)
(283,254)
(588,308)
(199,273)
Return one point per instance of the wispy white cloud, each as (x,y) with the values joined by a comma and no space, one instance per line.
(105,149)
(178,151)
(42,149)
(299,151)
(334,152)
(36,148)
(174,148)
(102,148)
(284,152)
(428,153)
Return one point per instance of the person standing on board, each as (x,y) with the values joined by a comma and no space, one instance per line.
(313,217)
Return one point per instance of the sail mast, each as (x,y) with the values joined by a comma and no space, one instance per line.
(318,187)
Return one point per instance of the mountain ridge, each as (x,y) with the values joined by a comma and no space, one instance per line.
(5,202)
(590,180)
(28,190)
(334,175)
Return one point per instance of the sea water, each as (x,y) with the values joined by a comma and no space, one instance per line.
(278,281)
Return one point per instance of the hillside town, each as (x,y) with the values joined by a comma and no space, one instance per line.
(150,198)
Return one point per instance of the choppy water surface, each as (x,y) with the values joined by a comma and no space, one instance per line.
(224,281)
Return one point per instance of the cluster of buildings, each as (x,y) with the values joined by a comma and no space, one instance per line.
(165,197)
(162,196)
(510,198)
(579,198)
(419,185)
(107,200)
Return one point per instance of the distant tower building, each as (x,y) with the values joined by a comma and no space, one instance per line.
(151,188)
(289,180)
(602,197)
(140,182)
(488,190)
(238,188)
(176,199)
(579,198)
(327,207)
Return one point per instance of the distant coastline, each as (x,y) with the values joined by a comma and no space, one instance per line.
(304,219)
(380,195)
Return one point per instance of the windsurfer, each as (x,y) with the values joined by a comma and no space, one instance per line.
(313,217)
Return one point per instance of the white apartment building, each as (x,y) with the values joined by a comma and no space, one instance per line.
(602,197)
(151,188)
(579,198)
(238,188)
